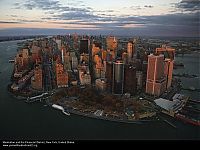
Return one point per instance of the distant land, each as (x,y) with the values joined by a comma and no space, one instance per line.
(31,36)
(61,31)
(13,38)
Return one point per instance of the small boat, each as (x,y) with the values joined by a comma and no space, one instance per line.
(58,107)
(11,61)
(192,88)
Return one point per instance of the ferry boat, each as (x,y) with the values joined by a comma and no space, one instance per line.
(58,107)
(187,119)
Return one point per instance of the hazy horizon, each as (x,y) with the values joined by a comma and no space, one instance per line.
(122,17)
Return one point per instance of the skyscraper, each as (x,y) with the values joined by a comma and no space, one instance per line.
(109,75)
(22,59)
(156,81)
(118,77)
(36,80)
(84,46)
(125,57)
(130,82)
(111,42)
(61,76)
(96,47)
(167,51)
(169,64)
(169,54)
(58,41)
(130,50)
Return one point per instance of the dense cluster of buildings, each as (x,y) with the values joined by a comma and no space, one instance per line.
(112,65)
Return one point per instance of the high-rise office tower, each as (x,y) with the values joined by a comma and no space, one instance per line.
(96,47)
(98,62)
(125,57)
(36,80)
(22,59)
(118,77)
(103,54)
(35,53)
(109,75)
(139,78)
(84,76)
(169,64)
(130,82)
(61,76)
(62,55)
(84,58)
(25,55)
(169,54)
(167,51)
(74,62)
(84,46)
(111,42)
(75,41)
(130,50)
(156,80)
(58,41)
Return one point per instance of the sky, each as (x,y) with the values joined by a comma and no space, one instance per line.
(116,17)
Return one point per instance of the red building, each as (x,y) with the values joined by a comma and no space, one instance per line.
(156,80)
(61,76)
(167,51)
(36,80)
(36,52)
(111,43)
(22,59)
(169,64)
(169,54)
(103,54)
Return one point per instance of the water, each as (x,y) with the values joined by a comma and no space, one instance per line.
(19,120)
(191,66)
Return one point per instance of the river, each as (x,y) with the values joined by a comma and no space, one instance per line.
(22,121)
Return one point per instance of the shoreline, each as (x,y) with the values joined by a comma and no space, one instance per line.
(82,114)
(79,113)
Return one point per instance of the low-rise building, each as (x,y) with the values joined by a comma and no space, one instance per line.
(100,84)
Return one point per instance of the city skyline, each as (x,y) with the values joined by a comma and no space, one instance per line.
(122,17)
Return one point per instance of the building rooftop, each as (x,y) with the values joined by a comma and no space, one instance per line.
(166,104)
